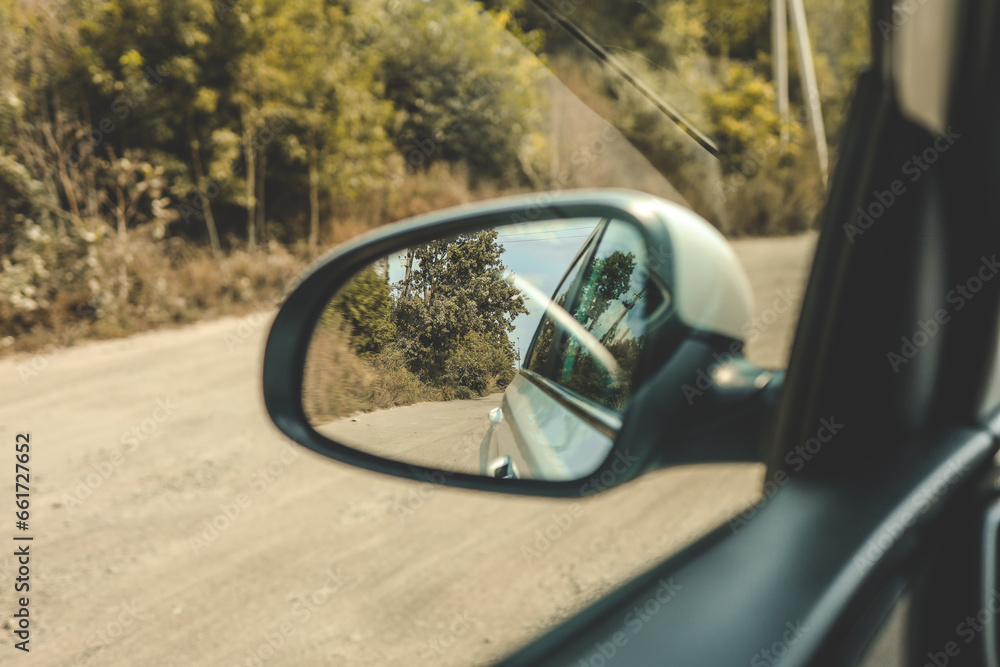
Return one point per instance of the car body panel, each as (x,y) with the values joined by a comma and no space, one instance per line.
(567,442)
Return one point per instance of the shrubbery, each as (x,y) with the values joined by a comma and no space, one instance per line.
(162,159)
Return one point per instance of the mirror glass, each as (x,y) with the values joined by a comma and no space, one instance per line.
(509,352)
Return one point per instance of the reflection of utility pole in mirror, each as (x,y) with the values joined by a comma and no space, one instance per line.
(627,308)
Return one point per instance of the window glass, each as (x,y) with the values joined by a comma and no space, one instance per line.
(165,162)
(542,356)
(610,300)
(611,306)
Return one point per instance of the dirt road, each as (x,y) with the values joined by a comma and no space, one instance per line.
(173,525)
(445,435)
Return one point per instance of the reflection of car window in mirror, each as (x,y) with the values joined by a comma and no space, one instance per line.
(416,358)
(608,293)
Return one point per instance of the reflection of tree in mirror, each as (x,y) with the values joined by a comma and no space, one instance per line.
(606,283)
(453,313)
(366,306)
(610,278)
(592,379)
(439,333)
(353,363)
(543,344)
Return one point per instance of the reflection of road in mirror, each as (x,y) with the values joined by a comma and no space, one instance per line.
(440,434)
(443,327)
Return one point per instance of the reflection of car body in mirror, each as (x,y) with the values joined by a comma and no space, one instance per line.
(624,305)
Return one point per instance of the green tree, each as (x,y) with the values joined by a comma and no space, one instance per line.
(608,280)
(465,90)
(336,102)
(365,305)
(162,77)
(454,295)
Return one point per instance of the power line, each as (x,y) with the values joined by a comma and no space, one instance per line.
(572,229)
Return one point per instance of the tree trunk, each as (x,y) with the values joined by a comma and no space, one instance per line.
(122,245)
(261,209)
(313,195)
(93,201)
(251,180)
(199,176)
(64,178)
(120,209)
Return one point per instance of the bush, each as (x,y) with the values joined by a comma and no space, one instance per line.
(335,379)
(98,286)
(478,367)
(783,197)
(771,180)
(339,382)
(392,384)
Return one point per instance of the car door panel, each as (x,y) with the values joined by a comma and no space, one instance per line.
(567,440)
(725,609)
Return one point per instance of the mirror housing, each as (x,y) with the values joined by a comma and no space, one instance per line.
(696,378)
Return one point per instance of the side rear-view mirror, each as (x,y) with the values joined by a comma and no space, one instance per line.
(533,344)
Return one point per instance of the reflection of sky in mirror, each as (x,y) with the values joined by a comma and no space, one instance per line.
(538,252)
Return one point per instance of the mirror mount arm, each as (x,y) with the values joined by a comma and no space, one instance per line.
(718,416)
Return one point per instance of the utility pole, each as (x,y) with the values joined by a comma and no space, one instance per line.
(808,74)
(779,42)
